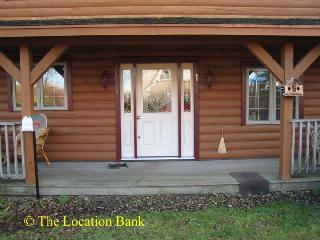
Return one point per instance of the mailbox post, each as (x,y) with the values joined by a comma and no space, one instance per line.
(31,124)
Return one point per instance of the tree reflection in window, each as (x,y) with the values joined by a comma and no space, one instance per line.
(50,91)
(157,90)
(54,87)
(186,75)
(259,93)
(126,76)
(18,95)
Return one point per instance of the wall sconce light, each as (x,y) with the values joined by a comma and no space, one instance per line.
(105,78)
(209,78)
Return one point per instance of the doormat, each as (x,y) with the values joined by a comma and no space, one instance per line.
(251,182)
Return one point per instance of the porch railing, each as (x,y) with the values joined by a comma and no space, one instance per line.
(12,161)
(305,148)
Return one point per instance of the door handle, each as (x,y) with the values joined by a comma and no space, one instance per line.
(138,117)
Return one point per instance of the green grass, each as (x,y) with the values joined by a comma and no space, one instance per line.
(63,199)
(274,221)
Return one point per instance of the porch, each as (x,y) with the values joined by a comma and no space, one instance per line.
(89,129)
(153,177)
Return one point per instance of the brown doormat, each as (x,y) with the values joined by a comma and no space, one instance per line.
(251,182)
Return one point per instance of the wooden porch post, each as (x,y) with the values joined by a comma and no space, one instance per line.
(284,72)
(27,77)
(27,109)
(286,112)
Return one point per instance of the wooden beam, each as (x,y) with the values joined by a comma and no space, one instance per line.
(286,112)
(161,40)
(160,29)
(306,61)
(47,61)
(26,88)
(266,59)
(9,67)
(27,109)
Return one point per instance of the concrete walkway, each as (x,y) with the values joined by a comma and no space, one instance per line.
(152,177)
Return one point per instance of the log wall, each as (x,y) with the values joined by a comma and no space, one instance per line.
(27,9)
(220,107)
(88,131)
(312,91)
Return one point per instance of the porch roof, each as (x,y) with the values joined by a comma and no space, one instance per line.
(160,20)
(166,26)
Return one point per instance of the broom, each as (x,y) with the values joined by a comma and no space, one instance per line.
(222,146)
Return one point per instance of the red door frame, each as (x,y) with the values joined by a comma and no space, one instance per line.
(118,111)
(143,60)
(196,67)
(179,79)
(134,99)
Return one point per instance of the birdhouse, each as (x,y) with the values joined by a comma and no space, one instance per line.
(292,87)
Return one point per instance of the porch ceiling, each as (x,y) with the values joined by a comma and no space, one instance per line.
(41,45)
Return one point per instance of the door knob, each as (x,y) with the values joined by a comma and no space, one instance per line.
(139,137)
(138,117)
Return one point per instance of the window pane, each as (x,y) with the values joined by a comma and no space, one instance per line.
(258,115)
(186,75)
(19,96)
(157,85)
(126,76)
(53,83)
(259,95)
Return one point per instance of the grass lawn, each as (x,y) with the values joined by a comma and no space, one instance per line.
(280,220)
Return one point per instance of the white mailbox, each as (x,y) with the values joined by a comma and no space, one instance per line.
(27,124)
(34,122)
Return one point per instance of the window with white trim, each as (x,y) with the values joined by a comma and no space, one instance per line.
(263,97)
(50,92)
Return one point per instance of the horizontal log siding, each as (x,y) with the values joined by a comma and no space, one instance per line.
(312,91)
(16,9)
(220,107)
(87,132)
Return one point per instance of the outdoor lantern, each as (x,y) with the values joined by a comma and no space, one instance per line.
(292,87)
(209,78)
(105,78)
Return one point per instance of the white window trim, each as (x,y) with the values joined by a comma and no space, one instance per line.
(39,86)
(187,144)
(127,118)
(272,104)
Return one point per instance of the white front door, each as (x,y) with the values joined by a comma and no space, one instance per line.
(157,110)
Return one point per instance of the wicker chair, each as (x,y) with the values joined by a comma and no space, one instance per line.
(41,137)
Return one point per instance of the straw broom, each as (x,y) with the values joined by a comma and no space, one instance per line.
(222,146)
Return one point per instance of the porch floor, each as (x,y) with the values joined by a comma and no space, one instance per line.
(153,177)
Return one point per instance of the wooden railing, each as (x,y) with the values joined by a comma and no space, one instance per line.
(305,148)
(12,161)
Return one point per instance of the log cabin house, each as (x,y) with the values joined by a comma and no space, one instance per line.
(160,79)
